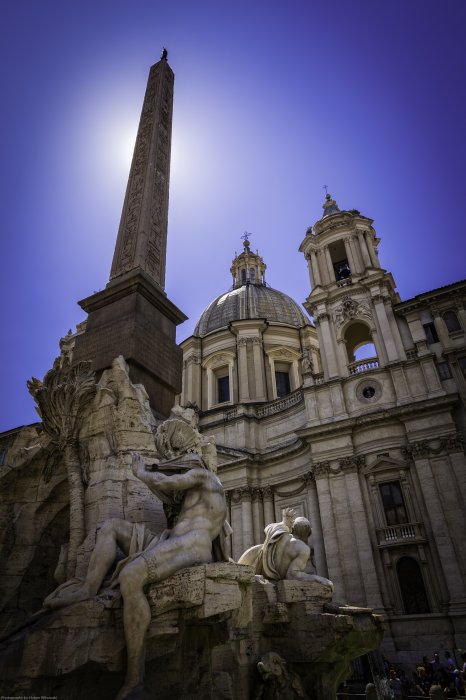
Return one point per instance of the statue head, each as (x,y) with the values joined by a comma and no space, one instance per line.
(302,529)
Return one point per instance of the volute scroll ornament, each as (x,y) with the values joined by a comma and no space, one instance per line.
(320,469)
(433,448)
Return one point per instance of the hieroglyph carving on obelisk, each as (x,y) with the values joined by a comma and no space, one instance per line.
(142,236)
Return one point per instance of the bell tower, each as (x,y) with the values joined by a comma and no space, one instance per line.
(132,316)
(351,294)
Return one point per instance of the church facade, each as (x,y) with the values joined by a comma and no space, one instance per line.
(356,421)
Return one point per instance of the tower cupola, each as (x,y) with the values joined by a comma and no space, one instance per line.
(329,206)
(248,267)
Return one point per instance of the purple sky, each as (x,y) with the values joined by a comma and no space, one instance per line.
(273,100)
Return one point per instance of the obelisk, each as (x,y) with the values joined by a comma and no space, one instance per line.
(132,316)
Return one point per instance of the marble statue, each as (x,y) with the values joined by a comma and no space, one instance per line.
(277,682)
(285,552)
(189,485)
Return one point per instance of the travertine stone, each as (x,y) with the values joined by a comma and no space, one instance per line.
(299,591)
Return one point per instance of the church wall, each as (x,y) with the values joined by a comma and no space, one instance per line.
(402,433)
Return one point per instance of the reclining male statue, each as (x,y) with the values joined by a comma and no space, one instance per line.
(285,552)
(191,541)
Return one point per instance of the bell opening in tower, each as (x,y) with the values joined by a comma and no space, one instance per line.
(339,259)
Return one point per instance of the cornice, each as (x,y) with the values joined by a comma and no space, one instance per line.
(395,413)
(433,447)
(345,465)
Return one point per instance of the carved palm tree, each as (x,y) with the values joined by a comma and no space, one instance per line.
(61,397)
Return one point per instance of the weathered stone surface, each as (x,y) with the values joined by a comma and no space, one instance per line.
(197,649)
(299,591)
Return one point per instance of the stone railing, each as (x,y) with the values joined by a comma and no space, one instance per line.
(400,534)
(344,283)
(411,354)
(364,365)
(319,378)
(280,404)
(267,409)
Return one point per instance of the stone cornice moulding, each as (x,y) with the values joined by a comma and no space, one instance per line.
(433,447)
(345,465)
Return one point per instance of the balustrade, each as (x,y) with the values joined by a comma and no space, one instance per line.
(400,534)
(363,365)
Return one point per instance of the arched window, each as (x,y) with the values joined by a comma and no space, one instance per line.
(243,276)
(359,344)
(412,587)
(451,321)
(252,275)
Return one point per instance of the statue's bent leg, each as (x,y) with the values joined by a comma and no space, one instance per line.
(136,619)
(113,533)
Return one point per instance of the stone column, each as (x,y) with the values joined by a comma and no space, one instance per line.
(330,270)
(369,581)
(210,388)
(295,375)
(461,313)
(269,509)
(258,368)
(363,248)
(326,344)
(243,370)
(371,249)
(342,356)
(458,463)
(333,554)
(356,251)
(257,516)
(440,327)
(246,512)
(387,336)
(417,333)
(236,523)
(315,268)
(310,270)
(446,549)
(349,255)
(229,539)
(317,538)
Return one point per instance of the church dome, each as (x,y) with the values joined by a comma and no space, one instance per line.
(250,298)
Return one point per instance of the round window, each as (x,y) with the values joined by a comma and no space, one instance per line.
(368,391)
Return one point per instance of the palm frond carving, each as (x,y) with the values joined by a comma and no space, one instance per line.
(61,397)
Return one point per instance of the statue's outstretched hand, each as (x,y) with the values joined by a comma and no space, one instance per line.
(138,466)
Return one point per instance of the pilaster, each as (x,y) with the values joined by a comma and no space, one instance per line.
(386,331)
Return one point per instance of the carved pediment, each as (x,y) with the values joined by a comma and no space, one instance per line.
(218,359)
(385,464)
(283,353)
